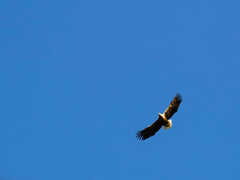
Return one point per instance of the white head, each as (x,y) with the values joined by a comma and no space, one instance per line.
(169,125)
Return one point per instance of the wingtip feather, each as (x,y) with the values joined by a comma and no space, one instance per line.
(139,135)
(179,97)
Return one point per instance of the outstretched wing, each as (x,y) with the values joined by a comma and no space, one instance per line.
(173,107)
(150,130)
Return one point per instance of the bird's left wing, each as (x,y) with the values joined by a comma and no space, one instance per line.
(173,107)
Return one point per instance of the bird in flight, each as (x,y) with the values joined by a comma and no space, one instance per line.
(162,121)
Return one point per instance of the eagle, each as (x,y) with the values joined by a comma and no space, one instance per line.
(162,121)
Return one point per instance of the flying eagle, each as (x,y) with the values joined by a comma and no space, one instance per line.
(163,119)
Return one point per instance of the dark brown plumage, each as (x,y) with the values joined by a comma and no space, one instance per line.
(173,107)
(163,119)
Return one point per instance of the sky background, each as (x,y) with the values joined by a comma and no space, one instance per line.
(79,78)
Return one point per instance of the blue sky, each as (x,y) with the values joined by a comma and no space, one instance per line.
(80,78)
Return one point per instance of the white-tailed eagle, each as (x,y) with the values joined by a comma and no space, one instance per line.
(162,121)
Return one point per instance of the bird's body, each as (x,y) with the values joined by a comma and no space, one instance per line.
(162,121)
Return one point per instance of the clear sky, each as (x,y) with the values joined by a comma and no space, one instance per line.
(79,78)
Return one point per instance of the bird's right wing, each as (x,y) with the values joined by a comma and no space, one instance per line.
(150,130)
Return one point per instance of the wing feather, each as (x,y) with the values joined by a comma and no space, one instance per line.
(173,107)
(150,130)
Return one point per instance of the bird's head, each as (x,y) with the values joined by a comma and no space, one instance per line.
(169,125)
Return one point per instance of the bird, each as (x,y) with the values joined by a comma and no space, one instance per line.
(162,121)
